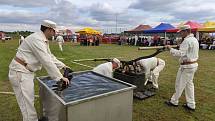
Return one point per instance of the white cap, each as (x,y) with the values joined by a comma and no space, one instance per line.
(116,61)
(184,27)
(49,24)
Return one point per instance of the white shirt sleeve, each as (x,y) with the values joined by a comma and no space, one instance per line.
(40,50)
(182,50)
(58,63)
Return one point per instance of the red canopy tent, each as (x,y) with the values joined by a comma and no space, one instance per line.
(139,29)
(2,35)
(194,26)
(68,32)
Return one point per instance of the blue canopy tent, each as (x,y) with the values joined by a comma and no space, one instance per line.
(160,28)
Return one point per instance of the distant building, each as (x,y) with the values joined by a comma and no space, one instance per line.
(2,35)
(66,33)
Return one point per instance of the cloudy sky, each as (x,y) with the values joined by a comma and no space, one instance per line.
(101,14)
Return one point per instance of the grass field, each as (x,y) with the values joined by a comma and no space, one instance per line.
(152,109)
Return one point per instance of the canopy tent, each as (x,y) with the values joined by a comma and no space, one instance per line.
(174,30)
(160,28)
(88,31)
(194,26)
(139,29)
(208,26)
(64,32)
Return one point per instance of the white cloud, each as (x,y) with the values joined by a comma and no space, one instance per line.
(29,3)
(19,16)
(20,27)
(177,10)
(102,13)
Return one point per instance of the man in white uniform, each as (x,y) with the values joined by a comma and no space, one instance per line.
(60,42)
(152,67)
(21,39)
(135,40)
(107,69)
(31,55)
(188,54)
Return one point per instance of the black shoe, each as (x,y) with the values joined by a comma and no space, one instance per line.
(43,119)
(153,89)
(188,108)
(170,104)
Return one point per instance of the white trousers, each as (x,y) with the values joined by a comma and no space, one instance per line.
(156,71)
(184,81)
(23,86)
(60,44)
(154,74)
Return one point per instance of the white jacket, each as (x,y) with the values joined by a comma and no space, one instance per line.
(21,40)
(60,39)
(148,64)
(36,53)
(105,69)
(188,51)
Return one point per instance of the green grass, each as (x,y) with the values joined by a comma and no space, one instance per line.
(152,109)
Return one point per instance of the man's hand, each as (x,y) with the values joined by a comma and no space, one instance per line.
(168,47)
(65,80)
(67,73)
(62,84)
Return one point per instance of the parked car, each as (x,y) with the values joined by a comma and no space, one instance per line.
(7,37)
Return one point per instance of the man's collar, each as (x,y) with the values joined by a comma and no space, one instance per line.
(190,35)
(44,37)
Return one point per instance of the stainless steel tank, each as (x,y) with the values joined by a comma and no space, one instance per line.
(90,97)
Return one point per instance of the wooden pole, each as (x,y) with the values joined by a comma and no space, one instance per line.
(155,47)
(94,59)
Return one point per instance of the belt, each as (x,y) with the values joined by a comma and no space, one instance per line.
(188,63)
(157,61)
(22,63)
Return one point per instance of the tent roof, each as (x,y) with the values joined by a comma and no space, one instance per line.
(68,31)
(194,26)
(141,28)
(160,28)
(208,26)
(88,30)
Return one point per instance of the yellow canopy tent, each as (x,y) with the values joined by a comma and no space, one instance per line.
(88,31)
(181,24)
(208,26)
(97,32)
